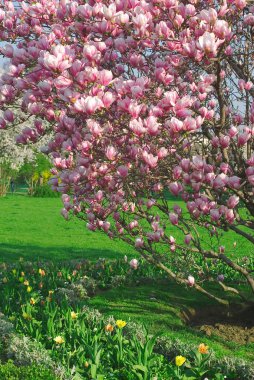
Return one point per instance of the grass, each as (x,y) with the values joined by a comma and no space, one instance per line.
(160,307)
(33,228)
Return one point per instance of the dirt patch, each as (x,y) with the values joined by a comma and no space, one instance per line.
(234,324)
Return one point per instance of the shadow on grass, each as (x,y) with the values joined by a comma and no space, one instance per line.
(13,252)
(160,307)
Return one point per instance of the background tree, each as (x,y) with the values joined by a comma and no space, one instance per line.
(143,98)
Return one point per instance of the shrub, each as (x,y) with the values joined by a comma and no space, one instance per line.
(9,371)
(44,191)
(26,352)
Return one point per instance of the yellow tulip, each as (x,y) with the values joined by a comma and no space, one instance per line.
(74,315)
(32,301)
(120,324)
(59,340)
(180,360)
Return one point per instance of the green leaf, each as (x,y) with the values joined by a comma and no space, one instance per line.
(140,367)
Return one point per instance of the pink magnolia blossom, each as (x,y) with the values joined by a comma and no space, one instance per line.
(111,153)
(173,218)
(139,242)
(134,264)
(208,43)
(122,171)
(233,201)
(191,281)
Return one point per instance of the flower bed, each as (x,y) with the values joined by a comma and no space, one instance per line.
(46,321)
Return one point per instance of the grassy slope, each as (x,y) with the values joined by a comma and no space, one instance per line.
(33,229)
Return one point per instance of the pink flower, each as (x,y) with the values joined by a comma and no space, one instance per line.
(111,153)
(152,125)
(9,116)
(251,180)
(136,125)
(215,215)
(173,218)
(243,138)
(150,159)
(108,98)
(248,85)
(134,264)
(232,201)
(171,240)
(230,216)
(2,123)
(234,182)
(175,188)
(88,105)
(90,52)
(105,77)
(209,15)
(241,84)
(187,239)
(208,43)
(92,104)
(122,171)
(191,280)
(175,125)
(232,132)
(139,242)
(221,29)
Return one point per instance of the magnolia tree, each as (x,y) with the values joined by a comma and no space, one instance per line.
(144,98)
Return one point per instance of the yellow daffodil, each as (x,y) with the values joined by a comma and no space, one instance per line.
(109,327)
(59,340)
(180,360)
(120,324)
(86,364)
(22,273)
(74,315)
(51,292)
(26,283)
(203,349)
(29,289)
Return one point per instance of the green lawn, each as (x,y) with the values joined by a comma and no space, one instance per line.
(33,228)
